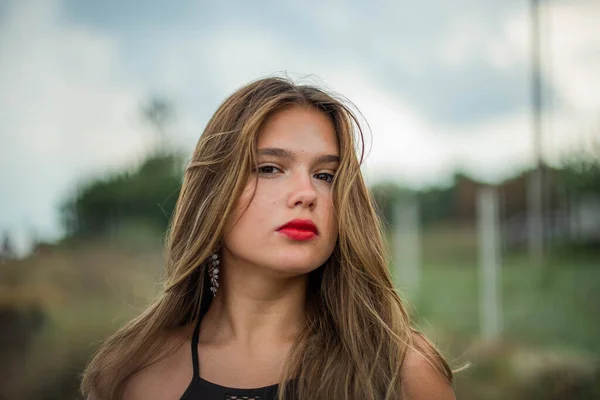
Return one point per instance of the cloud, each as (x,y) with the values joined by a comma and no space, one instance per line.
(439,88)
(403,145)
(570,49)
(65,112)
(399,41)
(395,40)
(574,56)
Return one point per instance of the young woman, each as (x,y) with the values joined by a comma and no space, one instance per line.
(277,281)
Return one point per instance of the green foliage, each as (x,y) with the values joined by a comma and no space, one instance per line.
(386,195)
(148,194)
(581,173)
(436,204)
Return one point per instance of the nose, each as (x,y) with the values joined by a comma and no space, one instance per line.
(302,192)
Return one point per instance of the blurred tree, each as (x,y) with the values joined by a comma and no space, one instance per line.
(437,203)
(386,195)
(7,251)
(145,194)
(159,113)
(582,174)
(581,169)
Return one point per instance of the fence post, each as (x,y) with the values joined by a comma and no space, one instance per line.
(407,245)
(489,263)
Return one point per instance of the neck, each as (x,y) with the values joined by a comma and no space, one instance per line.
(254,306)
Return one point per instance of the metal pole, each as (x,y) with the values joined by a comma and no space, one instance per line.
(535,187)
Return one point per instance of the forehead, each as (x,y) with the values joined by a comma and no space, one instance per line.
(299,129)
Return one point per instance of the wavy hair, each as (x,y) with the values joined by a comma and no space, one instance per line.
(357,329)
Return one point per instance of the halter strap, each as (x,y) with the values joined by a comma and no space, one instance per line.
(195,348)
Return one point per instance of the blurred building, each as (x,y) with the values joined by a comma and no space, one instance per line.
(569,217)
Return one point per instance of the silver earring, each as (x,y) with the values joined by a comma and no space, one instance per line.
(213,273)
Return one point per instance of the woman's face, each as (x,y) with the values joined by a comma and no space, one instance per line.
(288,226)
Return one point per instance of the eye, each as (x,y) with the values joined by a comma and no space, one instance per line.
(324,176)
(268,169)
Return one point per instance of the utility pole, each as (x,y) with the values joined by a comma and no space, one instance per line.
(535,196)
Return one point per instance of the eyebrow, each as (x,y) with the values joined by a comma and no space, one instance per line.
(288,154)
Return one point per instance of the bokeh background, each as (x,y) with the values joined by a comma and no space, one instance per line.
(483,157)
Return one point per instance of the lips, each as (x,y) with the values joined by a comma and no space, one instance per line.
(299,229)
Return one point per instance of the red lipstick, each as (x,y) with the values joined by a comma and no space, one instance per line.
(299,229)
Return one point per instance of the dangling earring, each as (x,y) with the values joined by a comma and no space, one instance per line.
(213,273)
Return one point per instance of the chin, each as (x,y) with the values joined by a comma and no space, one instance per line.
(295,267)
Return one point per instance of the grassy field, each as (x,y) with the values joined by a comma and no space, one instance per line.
(559,308)
(549,347)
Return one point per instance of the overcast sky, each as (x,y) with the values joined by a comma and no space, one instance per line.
(443,85)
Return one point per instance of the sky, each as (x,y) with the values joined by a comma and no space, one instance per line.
(444,86)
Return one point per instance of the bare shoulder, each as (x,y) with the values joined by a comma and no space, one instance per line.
(167,378)
(421,380)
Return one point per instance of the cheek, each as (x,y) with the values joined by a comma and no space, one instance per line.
(240,209)
(252,209)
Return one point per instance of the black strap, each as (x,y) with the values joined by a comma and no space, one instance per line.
(195,348)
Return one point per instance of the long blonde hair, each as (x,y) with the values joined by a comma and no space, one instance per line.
(357,331)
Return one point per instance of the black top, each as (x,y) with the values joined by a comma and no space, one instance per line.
(201,389)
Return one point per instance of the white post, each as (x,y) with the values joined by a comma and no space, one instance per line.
(489,262)
(407,245)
